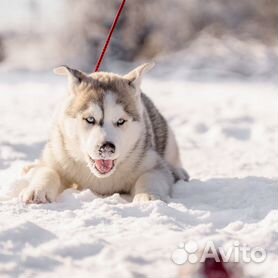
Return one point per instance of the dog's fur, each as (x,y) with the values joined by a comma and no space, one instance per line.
(143,160)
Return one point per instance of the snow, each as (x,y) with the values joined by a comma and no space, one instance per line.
(227,134)
(209,58)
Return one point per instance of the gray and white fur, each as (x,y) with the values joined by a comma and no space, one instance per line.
(109,137)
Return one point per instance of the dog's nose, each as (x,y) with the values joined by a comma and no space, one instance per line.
(107,147)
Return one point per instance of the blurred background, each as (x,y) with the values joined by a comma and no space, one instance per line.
(189,39)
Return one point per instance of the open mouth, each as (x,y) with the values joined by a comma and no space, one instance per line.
(103,166)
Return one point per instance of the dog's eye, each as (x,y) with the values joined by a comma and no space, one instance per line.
(90,120)
(120,122)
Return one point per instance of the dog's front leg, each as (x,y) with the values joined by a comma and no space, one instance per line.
(153,185)
(44,185)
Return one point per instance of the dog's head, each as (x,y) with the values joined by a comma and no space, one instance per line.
(103,115)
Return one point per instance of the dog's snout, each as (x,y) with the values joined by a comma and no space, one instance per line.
(107,147)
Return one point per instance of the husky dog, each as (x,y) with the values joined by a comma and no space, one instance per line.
(109,137)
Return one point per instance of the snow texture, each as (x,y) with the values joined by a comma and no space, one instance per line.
(227,135)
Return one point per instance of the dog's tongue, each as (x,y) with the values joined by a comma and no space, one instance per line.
(104,166)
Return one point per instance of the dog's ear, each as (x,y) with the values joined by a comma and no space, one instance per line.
(75,76)
(134,77)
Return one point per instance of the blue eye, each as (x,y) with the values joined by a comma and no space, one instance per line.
(90,120)
(120,122)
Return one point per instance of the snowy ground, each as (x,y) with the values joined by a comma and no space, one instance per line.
(227,135)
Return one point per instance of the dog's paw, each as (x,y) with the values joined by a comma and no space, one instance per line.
(37,196)
(145,197)
(181,174)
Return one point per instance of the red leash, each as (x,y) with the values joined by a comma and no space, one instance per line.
(109,36)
